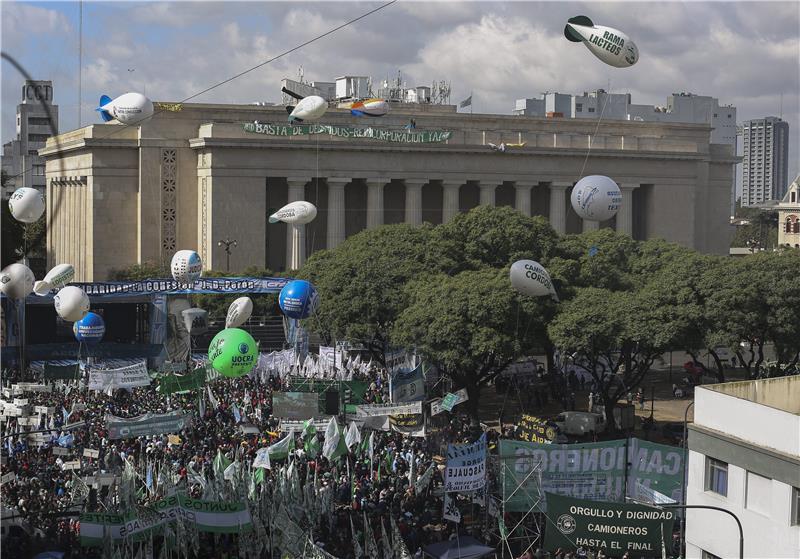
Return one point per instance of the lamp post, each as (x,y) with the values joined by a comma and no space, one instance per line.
(709,507)
(228,243)
(685,445)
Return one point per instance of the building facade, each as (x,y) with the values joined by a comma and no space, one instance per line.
(118,195)
(744,457)
(789,216)
(765,164)
(21,160)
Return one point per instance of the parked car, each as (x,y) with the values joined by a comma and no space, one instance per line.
(580,423)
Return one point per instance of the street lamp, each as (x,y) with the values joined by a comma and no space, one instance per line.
(228,243)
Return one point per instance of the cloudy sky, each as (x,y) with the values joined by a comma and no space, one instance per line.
(745,53)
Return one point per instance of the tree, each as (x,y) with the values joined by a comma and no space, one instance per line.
(21,240)
(361,282)
(471,326)
(614,336)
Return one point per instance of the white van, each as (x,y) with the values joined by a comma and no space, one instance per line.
(580,423)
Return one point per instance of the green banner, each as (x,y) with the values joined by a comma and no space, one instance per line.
(348,132)
(594,471)
(616,528)
(175,384)
(224,517)
(61,372)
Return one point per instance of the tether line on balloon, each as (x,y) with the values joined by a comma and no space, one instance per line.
(596,128)
(223,82)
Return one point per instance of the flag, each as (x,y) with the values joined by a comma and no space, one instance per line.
(397,540)
(66,440)
(371,445)
(282,448)
(356,544)
(502,526)
(353,435)
(221,463)
(334,446)
(65,414)
(466,102)
(212,399)
(231,471)
(201,403)
(421,484)
(388,552)
(451,511)
(259,476)
(262,459)
(236,414)
(149,481)
(369,540)
(309,428)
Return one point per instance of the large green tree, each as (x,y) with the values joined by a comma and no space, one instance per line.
(471,326)
(20,240)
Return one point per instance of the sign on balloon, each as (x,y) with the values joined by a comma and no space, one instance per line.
(596,198)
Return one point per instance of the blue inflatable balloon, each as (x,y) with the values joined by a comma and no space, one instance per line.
(298,299)
(90,329)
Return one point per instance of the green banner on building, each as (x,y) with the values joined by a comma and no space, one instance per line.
(402,136)
(616,528)
(594,471)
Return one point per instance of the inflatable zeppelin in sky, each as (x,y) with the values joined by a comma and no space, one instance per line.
(370,107)
(128,108)
(308,108)
(608,44)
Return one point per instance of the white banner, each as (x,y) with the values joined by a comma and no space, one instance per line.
(9,477)
(47,410)
(21,387)
(125,377)
(436,405)
(74,465)
(466,466)
(59,451)
(91,453)
(374,410)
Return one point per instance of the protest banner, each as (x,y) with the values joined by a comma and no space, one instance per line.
(61,372)
(60,451)
(533,429)
(178,384)
(223,517)
(374,410)
(146,425)
(407,385)
(74,465)
(8,478)
(124,377)
(466,466)
(46,410)
(412,425)
(616,528)
(91,453)
(594,471)
(22,387)
(437,407)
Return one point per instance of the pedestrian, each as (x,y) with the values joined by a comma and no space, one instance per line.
(640,398)
(630,397)
(591,401)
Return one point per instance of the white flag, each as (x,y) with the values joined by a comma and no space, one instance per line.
(371,445)
(262,459)
(451,511)
(331,439)
(353,435)
(212,399)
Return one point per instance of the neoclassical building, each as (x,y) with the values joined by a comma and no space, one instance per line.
(186,179)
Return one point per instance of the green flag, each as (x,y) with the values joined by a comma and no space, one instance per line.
(282,448)
(309,429)
(220,463)
(311,447)
(259,475)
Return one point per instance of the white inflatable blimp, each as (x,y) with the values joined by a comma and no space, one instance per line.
(186,266)
(298,213)
(16,281)
(610,45)
(26,205)
(596,198)
(239,311)
(128,108)
(307,108)
(71,303)
(57,277)
(531,278)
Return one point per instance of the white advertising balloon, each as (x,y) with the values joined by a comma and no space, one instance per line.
(26,205)
(298,213)
(309,108)
(186,266)
(57,277)
(71,303)
(596,198)
(16,281)
(530,278)
(610,45)
(129,108)
(239,311)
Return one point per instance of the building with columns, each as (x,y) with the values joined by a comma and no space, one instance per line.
(122,195)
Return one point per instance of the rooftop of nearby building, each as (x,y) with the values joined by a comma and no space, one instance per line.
(782,393)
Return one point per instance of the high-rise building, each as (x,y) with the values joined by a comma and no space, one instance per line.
(21,160)
(765,166)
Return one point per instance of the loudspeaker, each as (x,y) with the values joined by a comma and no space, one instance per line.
(332,402)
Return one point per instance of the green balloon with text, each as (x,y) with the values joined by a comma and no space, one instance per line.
(233,352)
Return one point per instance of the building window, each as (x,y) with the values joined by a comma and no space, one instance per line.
(38,121)
(795,494)
(33,152)
(591,109)
(716,476)
(38,137)
(579,107)
(758,493)
(792,224)
(38,170)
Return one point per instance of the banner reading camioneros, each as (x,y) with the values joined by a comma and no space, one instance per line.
(347,132)
(615,528)
(124,377)
(225,517)
(147,424)
(594,471)
(466,466)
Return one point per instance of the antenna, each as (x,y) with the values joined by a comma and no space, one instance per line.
(781,111)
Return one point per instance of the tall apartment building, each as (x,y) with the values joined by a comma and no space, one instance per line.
(20,158)
(765,166)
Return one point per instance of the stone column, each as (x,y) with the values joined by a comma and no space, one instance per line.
(296,238)
(336,210)
(523,199)
(590,225)
(414,200)
(625,213)
(487,194)
(375,202)
(450,205)
(558,206)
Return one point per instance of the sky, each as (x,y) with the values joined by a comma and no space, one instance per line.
(744,53)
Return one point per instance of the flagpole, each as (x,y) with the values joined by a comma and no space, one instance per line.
(470,112)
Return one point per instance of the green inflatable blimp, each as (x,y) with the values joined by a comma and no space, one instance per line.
(233,352)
